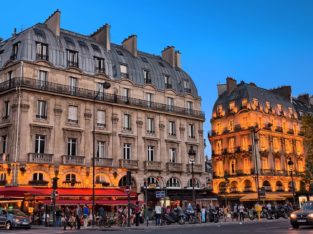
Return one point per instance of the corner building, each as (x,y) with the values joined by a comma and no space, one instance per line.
(56,105)
(255,132)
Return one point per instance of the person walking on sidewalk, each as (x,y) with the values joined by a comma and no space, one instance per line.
(137,213)
(158,212)
(86,215)
(67,216)
(78,216)
(241,209)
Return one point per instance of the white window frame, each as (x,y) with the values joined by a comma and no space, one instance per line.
(127,122)
(172,128)
(42,78)
(73,114)
(40,141)
(73,85)
(100,149)
(70,143)
(191,130)
(101,118)
(173,155)
(41,109)
(150,125)
(150,153)
(127,155)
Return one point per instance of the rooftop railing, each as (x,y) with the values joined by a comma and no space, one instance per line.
(92,94)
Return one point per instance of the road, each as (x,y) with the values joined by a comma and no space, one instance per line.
(276,227)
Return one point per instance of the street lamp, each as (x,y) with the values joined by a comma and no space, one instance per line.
(192,156)
(290,164)
(254,141)
(105,85)
(226,176)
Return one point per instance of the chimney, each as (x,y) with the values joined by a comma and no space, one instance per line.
(130,44)
(231,84)
(283,91)
(168,54)
(221,88)
(102,36)
(53,22)
(177,59)
(305,98)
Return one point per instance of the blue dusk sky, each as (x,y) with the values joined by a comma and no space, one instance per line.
(269,42)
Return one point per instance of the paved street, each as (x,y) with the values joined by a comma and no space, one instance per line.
(277,227)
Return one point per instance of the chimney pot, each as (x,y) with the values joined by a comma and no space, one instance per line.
(283,91)
(53,22)
(168,54)
(130,44)
(102,36)
(231,84)
(177,59)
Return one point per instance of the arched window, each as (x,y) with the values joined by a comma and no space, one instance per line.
(196,183)
(37,176)
(247,186)
(100,179)
(279,186)
(222,187)
(234,187)
(70,177)
(267,186)
(123,182)
(153,181)
(173,183)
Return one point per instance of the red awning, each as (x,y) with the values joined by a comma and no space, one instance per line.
(23,191)
(82,202)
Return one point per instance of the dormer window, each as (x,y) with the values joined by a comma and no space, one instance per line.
(95,48)
(72,58)
(167,82)
(99,65)
(146,77)
(268,105)
(15,51)
(124,71)
(255,102)
(219,110)
(232,106)
(244,103)
(187,86)
(41,51)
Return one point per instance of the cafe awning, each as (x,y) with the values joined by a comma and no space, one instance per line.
(268,197)
(89,202)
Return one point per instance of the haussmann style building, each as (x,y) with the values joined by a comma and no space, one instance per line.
(256,142)
(63,92)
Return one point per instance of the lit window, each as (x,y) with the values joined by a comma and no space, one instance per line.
(231,145)
(231,125)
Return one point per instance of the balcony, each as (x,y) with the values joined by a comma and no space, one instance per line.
(129,164)
(40,158)
(174,167)
(38,182)
(73,160)
(100,70)
(197,168)
(42,57)
(72,63)
(152,166)
(91,94)
(280,173)
(104,162)
(267,172)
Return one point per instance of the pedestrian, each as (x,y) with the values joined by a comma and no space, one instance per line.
(85,215)
(137,213)
(198,209)
(203,214)
(78,216)
(67,215)
(241,209)
(102,216)
(158,212)
(58,216)
(235,212)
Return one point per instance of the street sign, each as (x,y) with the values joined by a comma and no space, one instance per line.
(159,194)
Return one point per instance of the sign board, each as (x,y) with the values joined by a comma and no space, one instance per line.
(159,194)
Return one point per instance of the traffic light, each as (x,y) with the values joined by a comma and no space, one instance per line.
(128,178)
(55,182)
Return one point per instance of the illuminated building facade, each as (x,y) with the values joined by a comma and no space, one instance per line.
(53,101)
(255,132)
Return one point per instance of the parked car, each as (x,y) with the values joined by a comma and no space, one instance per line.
(14,218)
(304,216)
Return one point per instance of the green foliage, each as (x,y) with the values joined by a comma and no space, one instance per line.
(307,128)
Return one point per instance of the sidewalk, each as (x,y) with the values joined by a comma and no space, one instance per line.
(153,226)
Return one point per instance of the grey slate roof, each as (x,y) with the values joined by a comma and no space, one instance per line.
(74,41)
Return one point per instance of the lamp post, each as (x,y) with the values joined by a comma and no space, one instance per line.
(104,85)
(226,186)
(145,186)
(290,164)
(192,156)
(254,141)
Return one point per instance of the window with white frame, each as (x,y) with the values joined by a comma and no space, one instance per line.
(127,151)
(42,78)
(187,87)
(37,176)
(41,109)
(173,155)
(40,144)
(152,181)
(72,58)
(100,149)
(189,107)
(173,183)
(4,141)
(170,103)
(195,184)
(191,130)
(150,125)
(72,146)
(167,82)
(99,65)
(72,114)
(172,128)
(149,99)
(41,51)
(124,71)
(146,76)
(150,153)
(101,118)
(73,85)
(70,177)
(127,122)
(126,94)
(100,90)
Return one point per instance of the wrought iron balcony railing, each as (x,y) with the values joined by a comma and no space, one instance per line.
(40,158)
(29,83)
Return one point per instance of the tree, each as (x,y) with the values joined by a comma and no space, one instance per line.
(307,128)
